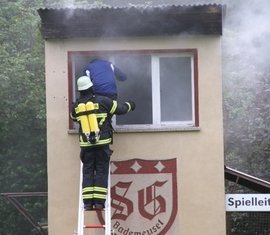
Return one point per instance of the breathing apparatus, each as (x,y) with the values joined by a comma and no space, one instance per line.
(87,117)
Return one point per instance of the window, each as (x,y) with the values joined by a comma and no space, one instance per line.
(163,83)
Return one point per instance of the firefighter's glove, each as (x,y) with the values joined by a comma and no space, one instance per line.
(132,105)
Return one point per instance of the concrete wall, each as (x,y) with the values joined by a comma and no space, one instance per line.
(199,153)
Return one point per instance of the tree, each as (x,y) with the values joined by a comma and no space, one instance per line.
(22,101)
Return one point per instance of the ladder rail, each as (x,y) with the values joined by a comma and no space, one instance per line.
(107,215)
(108,205)
(80,209)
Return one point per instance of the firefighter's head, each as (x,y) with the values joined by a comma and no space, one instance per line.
(84,83)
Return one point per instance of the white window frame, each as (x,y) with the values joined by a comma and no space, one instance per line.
(156,111)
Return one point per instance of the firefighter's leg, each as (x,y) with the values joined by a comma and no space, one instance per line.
(101,177)
(88,160)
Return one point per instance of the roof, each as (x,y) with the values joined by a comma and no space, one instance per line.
(131,21)
(246,180)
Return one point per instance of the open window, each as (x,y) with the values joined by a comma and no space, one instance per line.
(163,83)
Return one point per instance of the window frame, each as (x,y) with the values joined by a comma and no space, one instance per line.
(157,125)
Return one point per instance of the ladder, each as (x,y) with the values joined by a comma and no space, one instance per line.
(107,226)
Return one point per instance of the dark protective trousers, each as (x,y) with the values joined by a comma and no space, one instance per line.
(96,162)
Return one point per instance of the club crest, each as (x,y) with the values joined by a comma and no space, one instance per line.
(143,196)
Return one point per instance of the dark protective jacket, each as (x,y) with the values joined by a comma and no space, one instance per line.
(106,109)
(103,74)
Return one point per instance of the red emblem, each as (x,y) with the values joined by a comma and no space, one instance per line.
(143,196)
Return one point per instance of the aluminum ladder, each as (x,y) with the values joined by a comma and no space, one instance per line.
(81,212)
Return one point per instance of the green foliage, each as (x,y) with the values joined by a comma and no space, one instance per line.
(22,117)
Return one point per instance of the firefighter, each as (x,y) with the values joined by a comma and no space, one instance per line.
(103,74)
(95,152)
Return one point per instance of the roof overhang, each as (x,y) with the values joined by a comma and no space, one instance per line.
(112,22)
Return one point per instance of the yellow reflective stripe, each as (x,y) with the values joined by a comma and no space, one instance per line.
(100,189)
(94,188)
(113,107)
(88,196)
(101,115)
(88,189)
(100,142)
(100,196)
(104,141)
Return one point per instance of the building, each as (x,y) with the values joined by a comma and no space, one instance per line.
(168,155)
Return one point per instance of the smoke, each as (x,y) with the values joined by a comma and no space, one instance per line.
(247,33)
(245,39)
(60,4)
(245,66)
(245,28)
(76,4)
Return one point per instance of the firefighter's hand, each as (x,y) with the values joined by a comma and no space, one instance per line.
(132,105)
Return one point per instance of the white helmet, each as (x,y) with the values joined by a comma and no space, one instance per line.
(84,83)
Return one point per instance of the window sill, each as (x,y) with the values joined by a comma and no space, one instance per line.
(156,129)
(147,129)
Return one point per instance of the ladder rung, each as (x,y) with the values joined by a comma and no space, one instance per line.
(94,226)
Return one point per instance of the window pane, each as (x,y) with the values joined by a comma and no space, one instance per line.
(175,89)
(138,88)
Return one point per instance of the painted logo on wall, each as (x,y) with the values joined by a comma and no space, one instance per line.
(143,196)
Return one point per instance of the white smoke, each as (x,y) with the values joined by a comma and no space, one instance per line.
(247,31)
(72,4)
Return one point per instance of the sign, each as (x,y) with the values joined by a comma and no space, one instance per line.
(247,202)
(143,197)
